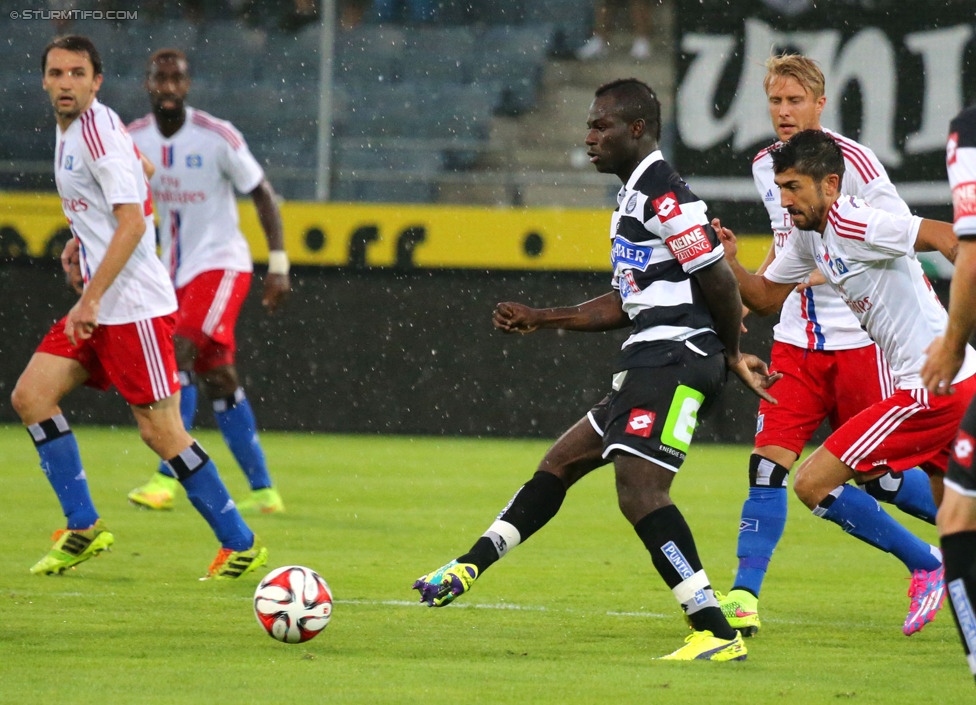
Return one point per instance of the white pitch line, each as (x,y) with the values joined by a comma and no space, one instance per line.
(501,606)
(542,608)
(454,606)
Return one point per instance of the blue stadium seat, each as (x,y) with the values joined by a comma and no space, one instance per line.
(292,59)
(511,60)
(144,38)
(229,53)
(571,22)
(384,191)
(126,96)
(355,71)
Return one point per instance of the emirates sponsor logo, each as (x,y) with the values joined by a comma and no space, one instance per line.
(75,205)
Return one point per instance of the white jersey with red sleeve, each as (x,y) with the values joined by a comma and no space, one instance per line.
(816,318)
(197,172)
(867,256)
(961,167)
(96,167)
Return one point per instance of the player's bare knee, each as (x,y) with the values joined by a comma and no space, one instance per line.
(27,403)
(20,401)
(808,489)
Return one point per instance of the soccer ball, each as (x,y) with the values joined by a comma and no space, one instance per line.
(293,604)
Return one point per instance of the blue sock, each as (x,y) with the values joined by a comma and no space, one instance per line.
(762,523)
(61,463)
(205,490)
(760,529)
(910,491)
(188,409)
(236,421)
(860,515)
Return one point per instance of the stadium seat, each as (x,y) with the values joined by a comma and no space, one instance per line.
(509,62)
(229,53)
(144,38)
(126,96)
(570,21)
(291,59)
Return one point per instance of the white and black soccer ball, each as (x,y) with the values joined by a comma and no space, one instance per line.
(293,604)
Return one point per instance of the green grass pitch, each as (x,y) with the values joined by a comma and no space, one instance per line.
(575,615)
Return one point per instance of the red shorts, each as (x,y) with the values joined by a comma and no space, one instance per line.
(816,385)
(908,429)
(136,358)
(209,306)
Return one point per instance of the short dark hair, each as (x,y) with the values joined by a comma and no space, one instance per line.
(636,101)
(174,54)
(812,153)
(76,43)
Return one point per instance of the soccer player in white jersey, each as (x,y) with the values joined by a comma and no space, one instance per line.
(868,257)
(671,285)
(200,161)
(119,333)
(831,368)
(946,355)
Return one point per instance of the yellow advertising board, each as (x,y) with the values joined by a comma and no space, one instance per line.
(384,235)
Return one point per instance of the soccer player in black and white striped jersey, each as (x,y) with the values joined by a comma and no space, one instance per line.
(671,286)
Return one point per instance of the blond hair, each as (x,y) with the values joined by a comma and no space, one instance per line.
(798,67)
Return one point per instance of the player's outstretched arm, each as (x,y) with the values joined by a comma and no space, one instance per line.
(758,293)
(945,354)
(937,236)
(720,290)
(599,314)
(754,373)
(277,285)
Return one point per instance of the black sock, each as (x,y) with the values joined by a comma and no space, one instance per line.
(668,539)
(959,554)
(536,502)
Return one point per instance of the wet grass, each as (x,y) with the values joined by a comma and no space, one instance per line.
(576,615)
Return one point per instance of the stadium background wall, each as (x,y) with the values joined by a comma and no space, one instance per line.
(387,351)
(373,342)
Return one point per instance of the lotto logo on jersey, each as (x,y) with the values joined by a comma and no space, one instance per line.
(640,423)
(689,244)
(951,145)
(964,200)
(666,207)
(962,449)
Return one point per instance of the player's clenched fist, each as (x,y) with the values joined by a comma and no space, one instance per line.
(511,317)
